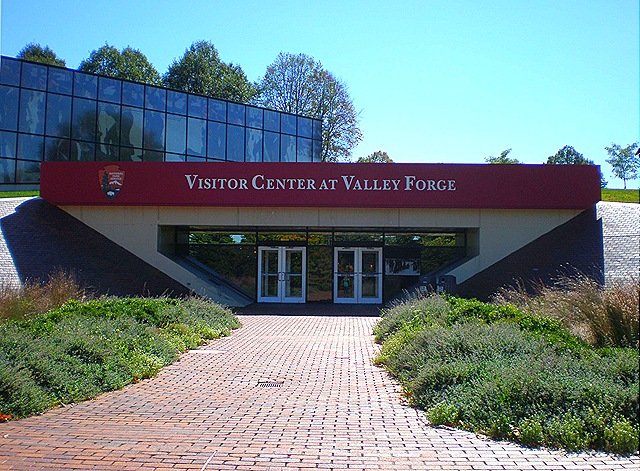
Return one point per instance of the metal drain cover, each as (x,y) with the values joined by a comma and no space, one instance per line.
(270,384)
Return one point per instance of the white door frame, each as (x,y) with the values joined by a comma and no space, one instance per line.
(284,276)
(357,276)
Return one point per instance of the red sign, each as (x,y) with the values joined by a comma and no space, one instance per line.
(321,185)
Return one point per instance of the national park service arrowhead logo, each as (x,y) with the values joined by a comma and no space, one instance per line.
(111,179)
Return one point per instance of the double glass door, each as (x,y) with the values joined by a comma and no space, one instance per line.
(357,275)
(282,274)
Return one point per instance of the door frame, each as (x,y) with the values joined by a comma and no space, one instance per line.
(357,276)
(283,275)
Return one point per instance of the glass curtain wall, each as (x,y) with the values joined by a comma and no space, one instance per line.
(50,113)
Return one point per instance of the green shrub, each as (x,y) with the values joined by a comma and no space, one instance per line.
(622,437)
(531,432)
(443,414)
(82,349)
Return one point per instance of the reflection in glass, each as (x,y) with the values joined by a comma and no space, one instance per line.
(217,136)
(9,71)
(320,273)
(8,108)
(197,106)
(60,80)
(108,124)
(31,111)
(287,148)
(34,76)
(304,127)
(83,151)
(217,110)
(235,143)
(85,85)
(155,98)
(152,156)
(197,137)
(254,117)
(109,89)
(174,157)
(131,127)
(28,172)
(130,154)
(176,102)
(58,115)
(317,129)
(288,122)
(57,149)
(254,145)
(153,130)
(84,119)
(293,273)
(132,94)
(7,170)
(236,113)
(271,147)
(272,120)
(30,147)
(176,134)
(317,151)
(7,144)
(304,150)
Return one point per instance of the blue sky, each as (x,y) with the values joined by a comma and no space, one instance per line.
(435,81)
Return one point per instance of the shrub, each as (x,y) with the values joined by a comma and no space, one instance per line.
(622,437)
(443,414)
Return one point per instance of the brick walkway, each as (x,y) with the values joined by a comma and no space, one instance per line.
(334,410)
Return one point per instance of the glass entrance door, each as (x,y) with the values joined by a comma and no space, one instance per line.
(357,275)
(281,274)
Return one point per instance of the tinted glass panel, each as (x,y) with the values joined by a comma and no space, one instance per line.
(317,129)
(31,111)
(176,134)
(7,170)
(271,146)
(254,117)
(235,143)
(153,130)
(9,71)
(58,115)
(60,80)
(287,148)
(132,94)
(34,76)
(131,127)
(217,138)
(193,158)
(197,106)
(288,123)
(217,110)
(176,102)
(8,108)
(320,274)
(272,120)
(108,131)
(305,127)
(7,144)
(57,149)
(30,147)
(304,150)
(236,113)
(84,119)
(155,98)
(254,145)
(152,156)
(197,137)
(109,89)
(83,151)
(317,151)
(28,172)
(130,154)
(174,157)
(85,85)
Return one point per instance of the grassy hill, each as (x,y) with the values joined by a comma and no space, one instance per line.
(620,196)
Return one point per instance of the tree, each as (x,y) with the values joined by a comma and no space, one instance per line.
(200,70)
(624,161)
(378,157)
(503,158)
(567,155)
(297,83)
(36,53)
(128,64)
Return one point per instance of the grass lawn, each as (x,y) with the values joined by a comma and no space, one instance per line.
(18,194)
(620,196)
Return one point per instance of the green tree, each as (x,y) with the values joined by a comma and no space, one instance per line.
(36,53)
(567,155)
(297,83)
(503,158)
(378,157)
(200,70)
(129,64)
(624,161)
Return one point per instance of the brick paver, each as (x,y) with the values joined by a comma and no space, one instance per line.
(210,411)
